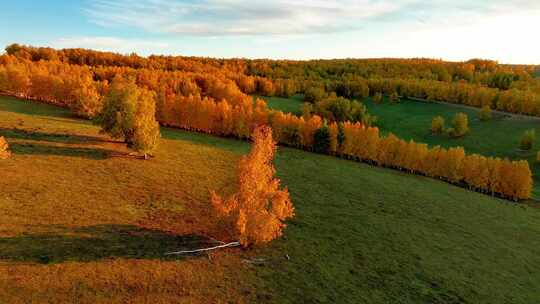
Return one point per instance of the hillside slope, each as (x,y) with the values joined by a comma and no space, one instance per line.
(81,219)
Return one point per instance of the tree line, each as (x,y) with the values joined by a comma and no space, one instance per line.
(512,100)
(477,82)
(213,103)
(480,71)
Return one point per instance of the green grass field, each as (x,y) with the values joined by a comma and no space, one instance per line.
(287,105)
(412,120)
(82,220)
(497,137)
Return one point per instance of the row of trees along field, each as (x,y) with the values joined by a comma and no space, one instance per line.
(511,88)
(213,103)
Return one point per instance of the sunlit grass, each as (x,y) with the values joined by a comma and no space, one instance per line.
(81,221)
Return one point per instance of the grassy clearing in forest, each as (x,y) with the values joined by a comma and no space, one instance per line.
(288,105)
(81,220)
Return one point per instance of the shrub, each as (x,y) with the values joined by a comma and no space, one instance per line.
(4,148)
(485,113)
(378,98)
(342,109)
(322,140)
(437,125)
(460,125)
(527,140)
(394,97)
(255,214)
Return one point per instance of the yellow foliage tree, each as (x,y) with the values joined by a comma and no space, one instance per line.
(4,152)
(437,125)
(255,214)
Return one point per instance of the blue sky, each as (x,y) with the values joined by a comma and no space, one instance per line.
(504,30)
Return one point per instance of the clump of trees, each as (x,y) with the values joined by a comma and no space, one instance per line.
(437,125)
(314,94)
(351,88)
(129,113)
(4,148)
(501,80)
(460,125)
(87,101)
(322,140)
(485,113)
(255,214)
(340,109)
(527,140)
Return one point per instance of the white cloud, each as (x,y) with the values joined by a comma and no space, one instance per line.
(239,17)
(286,17)
(449,29)
(110,44)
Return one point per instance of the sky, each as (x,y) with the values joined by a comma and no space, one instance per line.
(504,30)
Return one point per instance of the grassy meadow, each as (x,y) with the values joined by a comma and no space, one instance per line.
(82,220)
(498,137)
(288,105)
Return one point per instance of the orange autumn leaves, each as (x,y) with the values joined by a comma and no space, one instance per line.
(256,212)
(4,151)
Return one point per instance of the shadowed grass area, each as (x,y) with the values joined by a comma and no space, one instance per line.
(94,243)
(15,133)
(33,149)
(77,228)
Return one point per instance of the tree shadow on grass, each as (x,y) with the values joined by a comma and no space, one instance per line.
(14,133)
(38,144)
(41,149)
(94,243)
